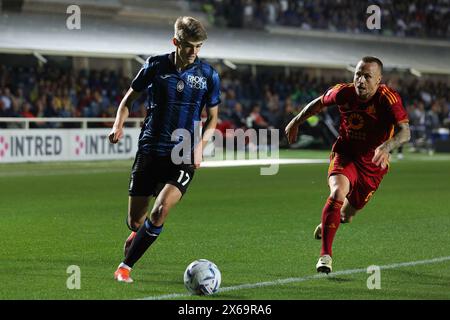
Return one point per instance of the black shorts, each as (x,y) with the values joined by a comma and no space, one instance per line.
(150,173)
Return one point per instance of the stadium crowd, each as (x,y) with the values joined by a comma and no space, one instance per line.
(268,100)
(398,18)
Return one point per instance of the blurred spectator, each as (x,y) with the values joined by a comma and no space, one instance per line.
(2,109)
(255,120)
(238,117)
(5,97)
(400,18)
(286,117)
(26,110)
(267,98)
(432,123)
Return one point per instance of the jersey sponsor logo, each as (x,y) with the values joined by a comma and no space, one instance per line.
(357,135)
(355,121)
(196,82)
(180,86)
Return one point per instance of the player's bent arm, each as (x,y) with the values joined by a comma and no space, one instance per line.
(311,109)
(402,136)
(382,153)
(208,132)
(210,124)
(122,114)
(124,107)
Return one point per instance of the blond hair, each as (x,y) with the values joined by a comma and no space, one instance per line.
(189,29)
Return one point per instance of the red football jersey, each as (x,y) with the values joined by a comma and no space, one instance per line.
(364,125)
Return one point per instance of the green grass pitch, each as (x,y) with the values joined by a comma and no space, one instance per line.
(257,229)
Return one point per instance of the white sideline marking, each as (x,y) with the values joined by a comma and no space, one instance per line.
(205,164)
(302,279)
(257,162)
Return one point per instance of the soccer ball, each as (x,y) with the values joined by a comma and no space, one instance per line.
(202,277)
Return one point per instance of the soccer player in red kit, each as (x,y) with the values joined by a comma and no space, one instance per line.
(369,112)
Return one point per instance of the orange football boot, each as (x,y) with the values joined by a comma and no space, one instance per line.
(123,275)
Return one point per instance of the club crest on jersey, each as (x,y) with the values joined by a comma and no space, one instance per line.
(196,82)
(371,110)
(180,86)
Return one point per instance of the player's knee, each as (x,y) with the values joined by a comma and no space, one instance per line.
(133,225)
(159,214)
(346,219)
(338,194)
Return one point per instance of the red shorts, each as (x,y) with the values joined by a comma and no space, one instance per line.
(364,177)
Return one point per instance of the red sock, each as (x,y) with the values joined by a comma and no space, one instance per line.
(331,218)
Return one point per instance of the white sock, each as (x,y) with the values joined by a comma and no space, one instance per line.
(123,265)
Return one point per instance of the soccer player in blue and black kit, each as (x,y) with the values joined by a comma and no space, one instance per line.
(178,86)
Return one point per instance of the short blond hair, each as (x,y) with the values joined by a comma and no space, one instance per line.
(189,29)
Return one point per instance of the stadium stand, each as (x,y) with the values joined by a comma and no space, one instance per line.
(261,86)
(400,18)
(268,100)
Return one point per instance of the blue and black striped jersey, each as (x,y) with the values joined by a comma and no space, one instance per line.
(175,100)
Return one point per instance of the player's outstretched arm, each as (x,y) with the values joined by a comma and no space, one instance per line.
(122,114)
(312,108)
(382,153)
